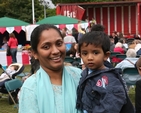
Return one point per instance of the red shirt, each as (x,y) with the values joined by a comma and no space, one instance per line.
(13,43)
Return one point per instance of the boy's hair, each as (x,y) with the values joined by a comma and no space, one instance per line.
(98,27)
(97,38)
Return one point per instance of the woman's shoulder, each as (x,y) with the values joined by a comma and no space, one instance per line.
(73,69)
(30,83)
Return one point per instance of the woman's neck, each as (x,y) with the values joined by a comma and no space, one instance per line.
(55,76)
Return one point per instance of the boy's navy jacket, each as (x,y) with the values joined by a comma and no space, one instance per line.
(103,92)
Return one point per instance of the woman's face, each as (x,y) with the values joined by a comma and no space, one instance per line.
(51,50)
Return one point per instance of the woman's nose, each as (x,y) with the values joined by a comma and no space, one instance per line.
(55,49)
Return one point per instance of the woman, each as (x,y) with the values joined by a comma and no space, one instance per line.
(81,31)
(13,44)
(52,89)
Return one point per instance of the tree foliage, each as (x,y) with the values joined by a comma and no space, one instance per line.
(77,1)
(21,9)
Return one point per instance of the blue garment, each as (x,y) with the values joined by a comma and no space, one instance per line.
(38,95)
(125,63)
(139,52)
(14,54)
(100,92)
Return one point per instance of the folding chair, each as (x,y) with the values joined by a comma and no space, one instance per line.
(13,85)
(69,59)
(130,75)
(113,57)
(121,56)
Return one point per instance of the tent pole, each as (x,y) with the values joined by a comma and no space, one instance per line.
(33,15)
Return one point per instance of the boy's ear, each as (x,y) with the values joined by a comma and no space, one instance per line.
(107,55)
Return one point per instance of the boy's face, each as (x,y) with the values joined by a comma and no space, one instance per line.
(93,57)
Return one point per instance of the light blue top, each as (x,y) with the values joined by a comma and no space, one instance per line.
(38,95)
(125,63)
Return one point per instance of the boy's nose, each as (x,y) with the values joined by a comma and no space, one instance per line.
(90,57)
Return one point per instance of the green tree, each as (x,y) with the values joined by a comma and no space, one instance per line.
(21,9)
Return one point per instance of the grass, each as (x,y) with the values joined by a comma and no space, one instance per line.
(6,108)
(4,105)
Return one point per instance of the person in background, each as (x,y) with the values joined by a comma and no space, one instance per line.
(87,19)
(138,89)
(112,44)
(119,48)
(69,38)
(35,65)
(75,34)
(13,44)
(81,32)
(53,87)
(73,51)
(114,35)
(129,61)
(131,43)
(64,32)
(124,45)
(98,86)
(10,71)
(4,43)
(138,49)
(93,22)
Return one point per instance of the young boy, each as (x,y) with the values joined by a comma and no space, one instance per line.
(99,90)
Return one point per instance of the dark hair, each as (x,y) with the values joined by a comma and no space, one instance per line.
(12,35)
(35,35)
(98,27)
(72,50)
(97,38)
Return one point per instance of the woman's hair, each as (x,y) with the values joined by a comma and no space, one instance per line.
(97,38)
(131,53)
(12,35)
(35,35)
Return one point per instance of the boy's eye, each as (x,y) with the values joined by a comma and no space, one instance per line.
(95,52)
(84,53)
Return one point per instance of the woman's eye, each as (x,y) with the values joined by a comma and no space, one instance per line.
(59,43)
(46,46)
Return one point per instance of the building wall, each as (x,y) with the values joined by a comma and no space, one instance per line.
(116,18)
